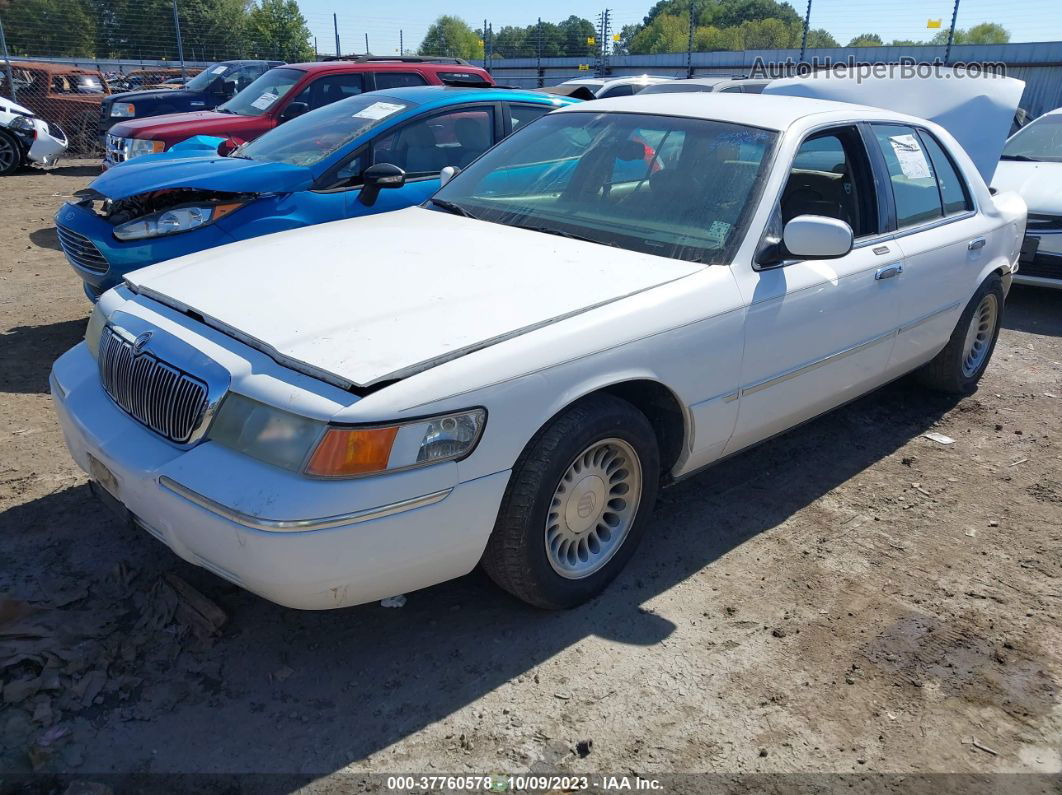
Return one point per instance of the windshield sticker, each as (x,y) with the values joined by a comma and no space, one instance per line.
(264,101)
(718,231)
(912,159)
(219,70)
(378,110)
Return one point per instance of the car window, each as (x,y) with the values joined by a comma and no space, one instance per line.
(426,146)
(670,186)
(1040,140)
(624,90)
(386,80)
(953,193)
(914,187)
(331,88)
(264,92)
(310,138)
(525,114)
(830,176)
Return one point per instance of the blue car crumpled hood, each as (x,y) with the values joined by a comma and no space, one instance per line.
(200,172)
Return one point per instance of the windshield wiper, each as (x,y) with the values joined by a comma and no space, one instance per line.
(1025,158)
(456,209)
(548,230)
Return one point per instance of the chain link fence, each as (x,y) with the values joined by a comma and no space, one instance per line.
(61,58)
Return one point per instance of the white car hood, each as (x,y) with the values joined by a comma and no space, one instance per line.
(373,299)
(1040,184)
(977,111)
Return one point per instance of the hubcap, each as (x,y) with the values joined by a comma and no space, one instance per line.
(593,508)
(979,335)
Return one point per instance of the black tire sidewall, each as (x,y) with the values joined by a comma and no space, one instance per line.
(19,154)
(968,383)
(613,418)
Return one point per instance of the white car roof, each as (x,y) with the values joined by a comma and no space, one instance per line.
(755,110)
(599,81)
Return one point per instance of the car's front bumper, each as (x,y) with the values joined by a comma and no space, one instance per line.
(1040,264)
(366,539)
(122,257)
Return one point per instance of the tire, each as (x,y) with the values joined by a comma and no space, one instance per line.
(587,446)
(10,154)
(958,367)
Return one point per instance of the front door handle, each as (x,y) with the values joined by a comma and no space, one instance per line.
(974,245)
(889,271)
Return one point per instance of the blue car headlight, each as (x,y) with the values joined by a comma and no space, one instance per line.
(174,220)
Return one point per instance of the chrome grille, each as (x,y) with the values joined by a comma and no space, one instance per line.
(81,251)
(114,149)
(162,397)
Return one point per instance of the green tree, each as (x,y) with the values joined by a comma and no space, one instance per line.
(820,38)
(451,36)
(866,40)
(277,29)
(50,27)
(665,33)
(770,34)
(724,13)
(984,33)
(574,33)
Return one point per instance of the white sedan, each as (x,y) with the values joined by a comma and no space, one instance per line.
(614,298)
(1032,167)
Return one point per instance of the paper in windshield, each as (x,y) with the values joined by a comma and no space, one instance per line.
(378,110)
(264,101)
(219,70)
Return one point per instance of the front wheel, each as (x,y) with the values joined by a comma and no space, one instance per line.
(10,154)
(577,504)
(962,362)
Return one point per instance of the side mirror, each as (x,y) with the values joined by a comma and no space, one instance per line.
(447,174)
(293,110)
(817,237)
(376,178)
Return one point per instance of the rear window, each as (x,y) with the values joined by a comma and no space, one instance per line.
(461,77)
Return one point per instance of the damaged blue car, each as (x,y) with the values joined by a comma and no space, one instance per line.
(329,164)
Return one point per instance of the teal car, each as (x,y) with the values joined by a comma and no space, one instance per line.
(326,165)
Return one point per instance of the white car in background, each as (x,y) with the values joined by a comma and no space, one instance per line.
(720,84)
(1031,166)
(26,139)
(609,87)
(615,297)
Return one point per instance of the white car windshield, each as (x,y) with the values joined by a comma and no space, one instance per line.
(675,187)
(1041,140)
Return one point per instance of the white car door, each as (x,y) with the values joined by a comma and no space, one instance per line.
(943,241)
(819,332)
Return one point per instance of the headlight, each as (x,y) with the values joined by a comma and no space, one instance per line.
(299,444)
(170,222)
(135,147)
(269,434)
(97,320)
(122,110)
(22,124)
(351,452)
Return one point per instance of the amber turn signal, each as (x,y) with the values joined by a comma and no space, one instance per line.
(343,452)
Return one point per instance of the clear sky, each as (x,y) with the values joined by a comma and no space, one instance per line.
(1027,20)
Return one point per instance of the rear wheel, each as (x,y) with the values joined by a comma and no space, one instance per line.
(10,154)
(577,504)
(962,362)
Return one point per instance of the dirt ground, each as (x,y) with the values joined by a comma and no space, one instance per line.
(852,597)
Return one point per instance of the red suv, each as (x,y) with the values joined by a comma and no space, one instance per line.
(282,94)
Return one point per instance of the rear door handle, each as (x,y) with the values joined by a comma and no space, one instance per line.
(974,245)
(889,271)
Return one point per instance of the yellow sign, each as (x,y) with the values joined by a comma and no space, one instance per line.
(933,23)
(584,67)
(615,37)
(591,40)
